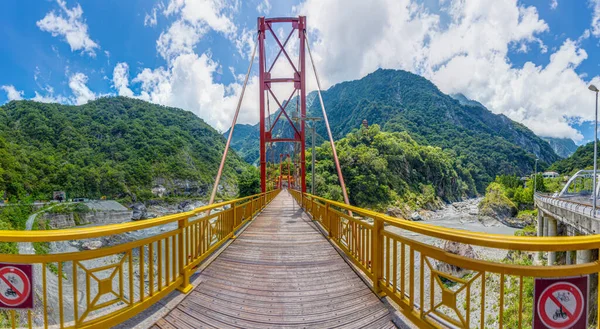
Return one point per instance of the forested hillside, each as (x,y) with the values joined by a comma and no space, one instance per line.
(383,169)
(582,158)
(486,144)
(112,146)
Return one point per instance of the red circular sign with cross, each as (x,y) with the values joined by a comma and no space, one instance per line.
(561,305)
(15,286)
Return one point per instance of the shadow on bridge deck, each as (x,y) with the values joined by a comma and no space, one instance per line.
(280,272)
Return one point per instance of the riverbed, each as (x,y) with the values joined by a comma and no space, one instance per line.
(463,216)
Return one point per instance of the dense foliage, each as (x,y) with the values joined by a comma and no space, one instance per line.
(381,168)
(511,187)
(249,182)
(583,158)
(111,146)
(483,143)
(13,217)
(508,196)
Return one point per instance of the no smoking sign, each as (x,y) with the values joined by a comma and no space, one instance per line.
(561,303)
(16,281)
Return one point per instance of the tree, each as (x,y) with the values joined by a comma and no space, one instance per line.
(249,182)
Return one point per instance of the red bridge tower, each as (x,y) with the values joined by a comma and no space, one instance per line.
(267,26)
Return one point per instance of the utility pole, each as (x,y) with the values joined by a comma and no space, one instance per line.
(535,177)
(313,156)
(594,89)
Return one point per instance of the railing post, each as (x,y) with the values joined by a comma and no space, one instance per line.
(328,219)
(377,256)
(185,285)
(234,223)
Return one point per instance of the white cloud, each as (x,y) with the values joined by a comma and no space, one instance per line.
(595,4)
(72,27)
(264,7)
(12,93)
(81,93)
(49,97)
(179,39)
(194,20)
(121,80)
(245,43)
(212,13)
(150,19)
(540,97)
(189,84)
(465,52)
(553,4)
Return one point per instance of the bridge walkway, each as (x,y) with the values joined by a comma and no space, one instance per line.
(280,272)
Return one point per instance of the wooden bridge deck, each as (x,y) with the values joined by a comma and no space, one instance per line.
(279,273)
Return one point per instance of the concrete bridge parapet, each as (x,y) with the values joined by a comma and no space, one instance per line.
(579,219)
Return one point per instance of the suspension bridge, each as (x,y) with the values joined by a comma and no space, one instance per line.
(285,258)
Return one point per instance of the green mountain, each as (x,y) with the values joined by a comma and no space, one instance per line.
(485,143)
(384,169)
(245,141)
(583,158)
(112,146)
(564,147)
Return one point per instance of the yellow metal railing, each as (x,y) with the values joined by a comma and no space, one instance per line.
(104,287)
(493,294)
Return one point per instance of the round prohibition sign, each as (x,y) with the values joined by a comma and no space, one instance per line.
(560,305)
(15,286)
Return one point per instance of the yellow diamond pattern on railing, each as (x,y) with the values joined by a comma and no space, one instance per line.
(449,296)
(104,286)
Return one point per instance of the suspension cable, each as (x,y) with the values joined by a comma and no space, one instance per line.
(237,112)
(335,157)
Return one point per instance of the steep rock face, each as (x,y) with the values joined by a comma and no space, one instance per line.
(564,147)
(60,221)
(488,143)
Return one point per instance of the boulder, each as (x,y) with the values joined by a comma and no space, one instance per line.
(416,216)
(460,249)
(395,212)
(139,211)
(91,245)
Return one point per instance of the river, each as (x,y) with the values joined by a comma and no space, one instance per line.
(462,215)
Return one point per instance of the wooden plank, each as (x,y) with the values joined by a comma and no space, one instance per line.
(282,273)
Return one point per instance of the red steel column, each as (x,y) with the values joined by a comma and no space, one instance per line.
(289,160)
(280,171)
(261,78)
(301,30)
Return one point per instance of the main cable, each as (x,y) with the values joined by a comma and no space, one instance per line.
(237,112)
(335,157)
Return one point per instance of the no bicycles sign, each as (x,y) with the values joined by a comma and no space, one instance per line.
(16,290)
(561,303)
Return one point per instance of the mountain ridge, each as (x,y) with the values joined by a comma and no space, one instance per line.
(564,147)
(114,146)
(402,101)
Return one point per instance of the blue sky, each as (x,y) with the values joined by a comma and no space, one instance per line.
(531,60)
